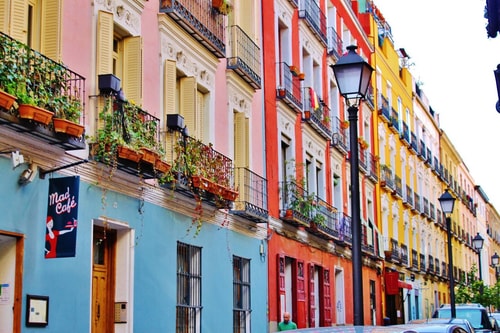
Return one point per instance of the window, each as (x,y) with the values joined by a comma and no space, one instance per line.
(188,310)
(241,295)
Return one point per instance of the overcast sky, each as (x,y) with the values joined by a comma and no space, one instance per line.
(455,60)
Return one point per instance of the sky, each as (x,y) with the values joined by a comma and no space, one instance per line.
(454,59)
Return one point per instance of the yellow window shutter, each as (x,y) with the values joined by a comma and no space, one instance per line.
(200,114)
(19,20)
(240,140)
(132,73)
(169,86)
(51,29)
(169,93)
(187,101)
(105,43)
(4,6)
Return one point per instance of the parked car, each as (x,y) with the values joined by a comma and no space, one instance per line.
(407,328)
(356,329)
(464,323)
(436,328)
(476,314)
(495,322)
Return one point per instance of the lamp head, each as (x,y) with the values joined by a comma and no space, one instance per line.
(447,202)
(353,75)
(477,242)
(494,259)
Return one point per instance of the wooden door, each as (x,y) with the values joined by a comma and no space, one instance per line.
(103,280)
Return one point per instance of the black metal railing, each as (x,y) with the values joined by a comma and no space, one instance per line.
(288,87)
(386,175)
(316,113)
(244,56)
(314,18)
(422,263)
(409,195)
(200,20)
(340,138)
(251,202)
(384,108)
(414,259)
(334,43)
(296,204)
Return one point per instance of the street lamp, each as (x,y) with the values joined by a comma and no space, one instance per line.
(494,262)
(477,243)
(447,202)
(353,76)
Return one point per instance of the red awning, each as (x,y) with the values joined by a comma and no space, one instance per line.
(406,285)
(393,284)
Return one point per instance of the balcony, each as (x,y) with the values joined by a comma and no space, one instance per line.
(316,113)
(422,263)
(340,138)
(414,260)
(384,110)
(405,134)
(398,184)
(200,20)
(414,143)
(297,205)
(244,57)
(334,43)
(314,18)
(325,222)
(288,89)
(417,206)
(35,80)
(394,121)
(372,167)
(404,255)
(408,198)
(251,202)
(345,229)
(386,177)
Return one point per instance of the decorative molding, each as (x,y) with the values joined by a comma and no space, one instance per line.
(125,13)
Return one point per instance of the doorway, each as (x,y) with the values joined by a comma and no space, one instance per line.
(103,279)
(11,261)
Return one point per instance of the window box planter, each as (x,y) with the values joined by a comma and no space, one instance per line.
(149,156)
(162,166)
(35,113)
(6,100)
(108,84)
(67,127)
(129,154)
(175,122)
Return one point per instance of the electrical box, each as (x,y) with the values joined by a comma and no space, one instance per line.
(120,312)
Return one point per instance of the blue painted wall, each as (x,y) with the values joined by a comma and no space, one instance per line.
(67,281)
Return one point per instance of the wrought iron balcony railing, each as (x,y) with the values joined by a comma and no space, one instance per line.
(251,202)
(373,166)
(326,220)
(404,254)
(200,20)
(386,176)
(384,109)
(314,18)
(288,89)
(398,184)
(340,138)
(32,77)
(414,259)
(405,133)
(345,228)
(296,204)
(316,113)
(394,120)
(422,263)
(244,57)
(408,198)
(334,43)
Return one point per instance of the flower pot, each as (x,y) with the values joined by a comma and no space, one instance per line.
(281,93)
(201,182)
(175,122)
(129,154)
(35,113)
(230,194)
(217,3)
(68,127)
(149,156)
(6,100)
(301,76)
(162,166)
(108,84)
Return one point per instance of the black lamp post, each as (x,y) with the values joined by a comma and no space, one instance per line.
(353,76)
(447,202)
(477,243)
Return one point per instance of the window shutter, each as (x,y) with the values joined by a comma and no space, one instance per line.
(301,293)
(187,101)
(327,299)
(18,20)
(200,114)
(281,285)
(5,17)
(132,74)
(105,43)
(240,140)
(312,297)
(51,29)
(169,93)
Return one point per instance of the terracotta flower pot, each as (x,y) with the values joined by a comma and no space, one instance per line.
(68,127)
(35,113)
(6,100)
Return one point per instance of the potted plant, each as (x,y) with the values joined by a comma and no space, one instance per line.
(31,104)
(67,112)
(222,6)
